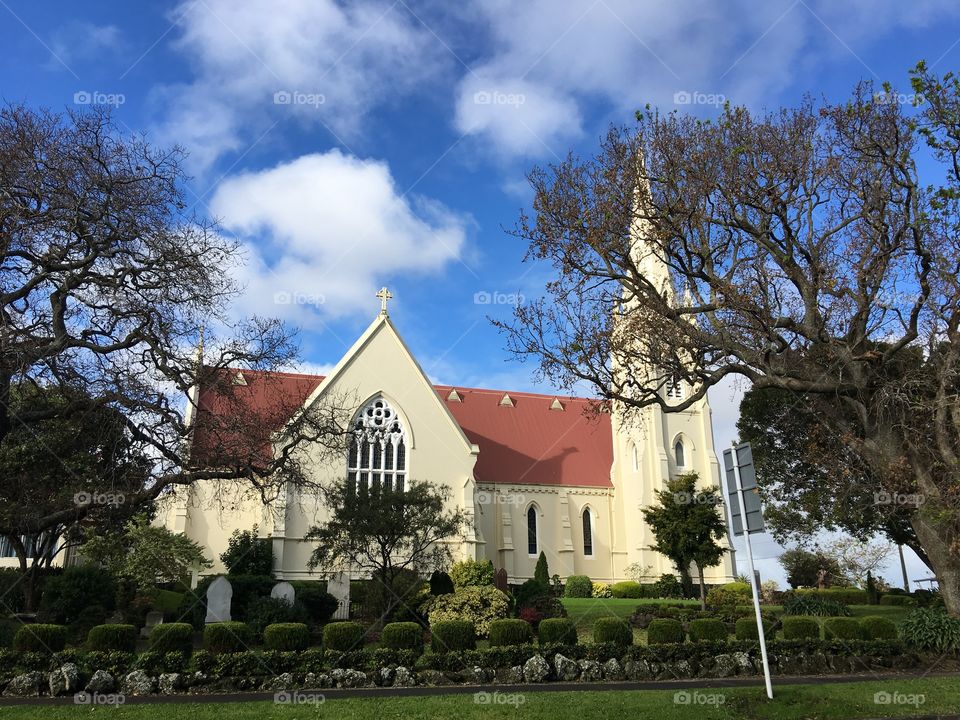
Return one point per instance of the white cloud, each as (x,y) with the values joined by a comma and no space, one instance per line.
(325,230)
(76,42)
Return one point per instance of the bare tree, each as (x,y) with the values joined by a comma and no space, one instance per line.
(798,249)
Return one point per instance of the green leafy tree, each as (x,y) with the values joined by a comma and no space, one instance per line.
(541,572)
(248,554)
(688,526)
(803,567)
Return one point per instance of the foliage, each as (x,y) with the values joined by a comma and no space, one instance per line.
(745,628)
(578,586)
(612,630)
(899,600)
(452,635)
(663,631)
(343,636)
(627,589)
(541,572)
(878,628)
(735,593)
(934,630)
(708,630)
(41,638)
(800,627)
(472,573)
(858,558)
(403,636)
(510,632)
(479,605)
(601,590)
(396,603)
(557,631)
(803,567)
(440,583)
(286,636)
(112,637)
(227,637)
(67,596)
(248,554)
(843,595)
(842,628)
(530,592)
(638,573)
(318,603)
(769,590)
(172,637)
(668,587)
(813,605)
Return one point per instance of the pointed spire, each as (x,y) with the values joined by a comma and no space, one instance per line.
(648,262)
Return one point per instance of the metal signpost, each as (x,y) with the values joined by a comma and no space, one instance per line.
(746,517)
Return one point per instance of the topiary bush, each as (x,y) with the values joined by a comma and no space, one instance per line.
(112,637)
(472,573)
(627,589)
(403,636)
(479,605)
(664,630)
(441,583)
(612,630)
(842,628)
(601,590)
(735,593)
(800,627)
(668,587)
(227,637)
(510,632)
(172,637)
(578,586)
(897,600)
(40,638)
(745,628)
(708,630)
(876,627)
(928,629)
(286,636)
(557,630)
(452,636)
(343,636)
(79,591)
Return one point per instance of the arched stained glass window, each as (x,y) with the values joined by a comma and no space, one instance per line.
(587,532)
(679,454)
(378,453)
(532,531)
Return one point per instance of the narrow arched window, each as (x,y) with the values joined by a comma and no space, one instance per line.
(377,458)
(636,457)
(587,533)
(532,531)
(678,454)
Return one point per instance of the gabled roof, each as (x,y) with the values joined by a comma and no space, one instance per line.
(529,442)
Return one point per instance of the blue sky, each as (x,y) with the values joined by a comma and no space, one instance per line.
(354,145)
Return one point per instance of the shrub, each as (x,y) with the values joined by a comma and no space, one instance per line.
(745,628)
(548,606)
(11,588)
(557,630)
(731,594)
(227,637)
(530,592)
(898,600)
(708,630)
(472,573)
(479,605)
(612,630)
(800,627)
(403,636)
(286,636)
(578,586)
(842,628)
(440,583)
(343,636)
(112,637)
(601,590)
(843,595)
(664,630)
(794,604)
(316,601)
(878,628)
(510,632)
(627,589)
(247,554)
(172,637)
(452,636)
(541,573)
(406,585)
(40,638)
(928,629)
(77,591)
(272,611)
(668,587)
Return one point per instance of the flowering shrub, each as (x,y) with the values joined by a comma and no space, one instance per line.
(601,590)
(472,573)
(479,605)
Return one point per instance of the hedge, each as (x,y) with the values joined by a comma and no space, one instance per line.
(578,586)
(227,637)
(663,630)
(847,596)
(402,636)
(800,627)
(842,628)
(898,600)
(612,630)
(112,637)
(878,628)
(40,638)
(343,636)
(286,636)
(510,632)
(172,637)
(745,628)
(627,589)
(557,630)
(452,636)
(708,629)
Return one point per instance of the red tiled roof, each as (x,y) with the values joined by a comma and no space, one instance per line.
(526,443)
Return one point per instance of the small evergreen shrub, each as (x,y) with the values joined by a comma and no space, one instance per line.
(452,636)
(248,554)
(731,594)
(842,595)
(557,631)
(172,637)
(878,628)
(708,630)
(510,632)
(531,591)
(668,587)
(664,630)
(612,630)
(842,628)
(227,637)
(541,573)
(627,589)
(601,590)
(403,636)
(897,600)
(112,637)
(266,611)
(800,627)
(928,629)
(316,601)
(472,573)
(440,583)
(479,605)
(745,628)
(343,636)
(78,591)
(40,638)
(578,586)
(286,636)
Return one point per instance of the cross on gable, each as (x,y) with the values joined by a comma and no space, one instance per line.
(384,296)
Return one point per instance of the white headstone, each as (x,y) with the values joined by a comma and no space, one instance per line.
(284,591)
(153,619)
(339,586)
(219,597)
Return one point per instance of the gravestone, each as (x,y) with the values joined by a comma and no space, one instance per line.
(219,597)
(284,591)
(500,579)
(339,586)
(154,618)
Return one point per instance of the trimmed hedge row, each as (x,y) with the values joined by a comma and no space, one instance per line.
(557,631)
(112,637)
(847,596)
(510,632)
(286,636)
(227,637)
(343,636)
(452,636)
(40,637)
(664,630)
(403,636)
(612,630)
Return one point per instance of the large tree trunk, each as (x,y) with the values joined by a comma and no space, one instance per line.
(937,538)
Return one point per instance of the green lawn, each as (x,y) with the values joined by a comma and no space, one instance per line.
(848,701)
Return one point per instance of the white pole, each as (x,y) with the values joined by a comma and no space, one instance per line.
(753,579)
